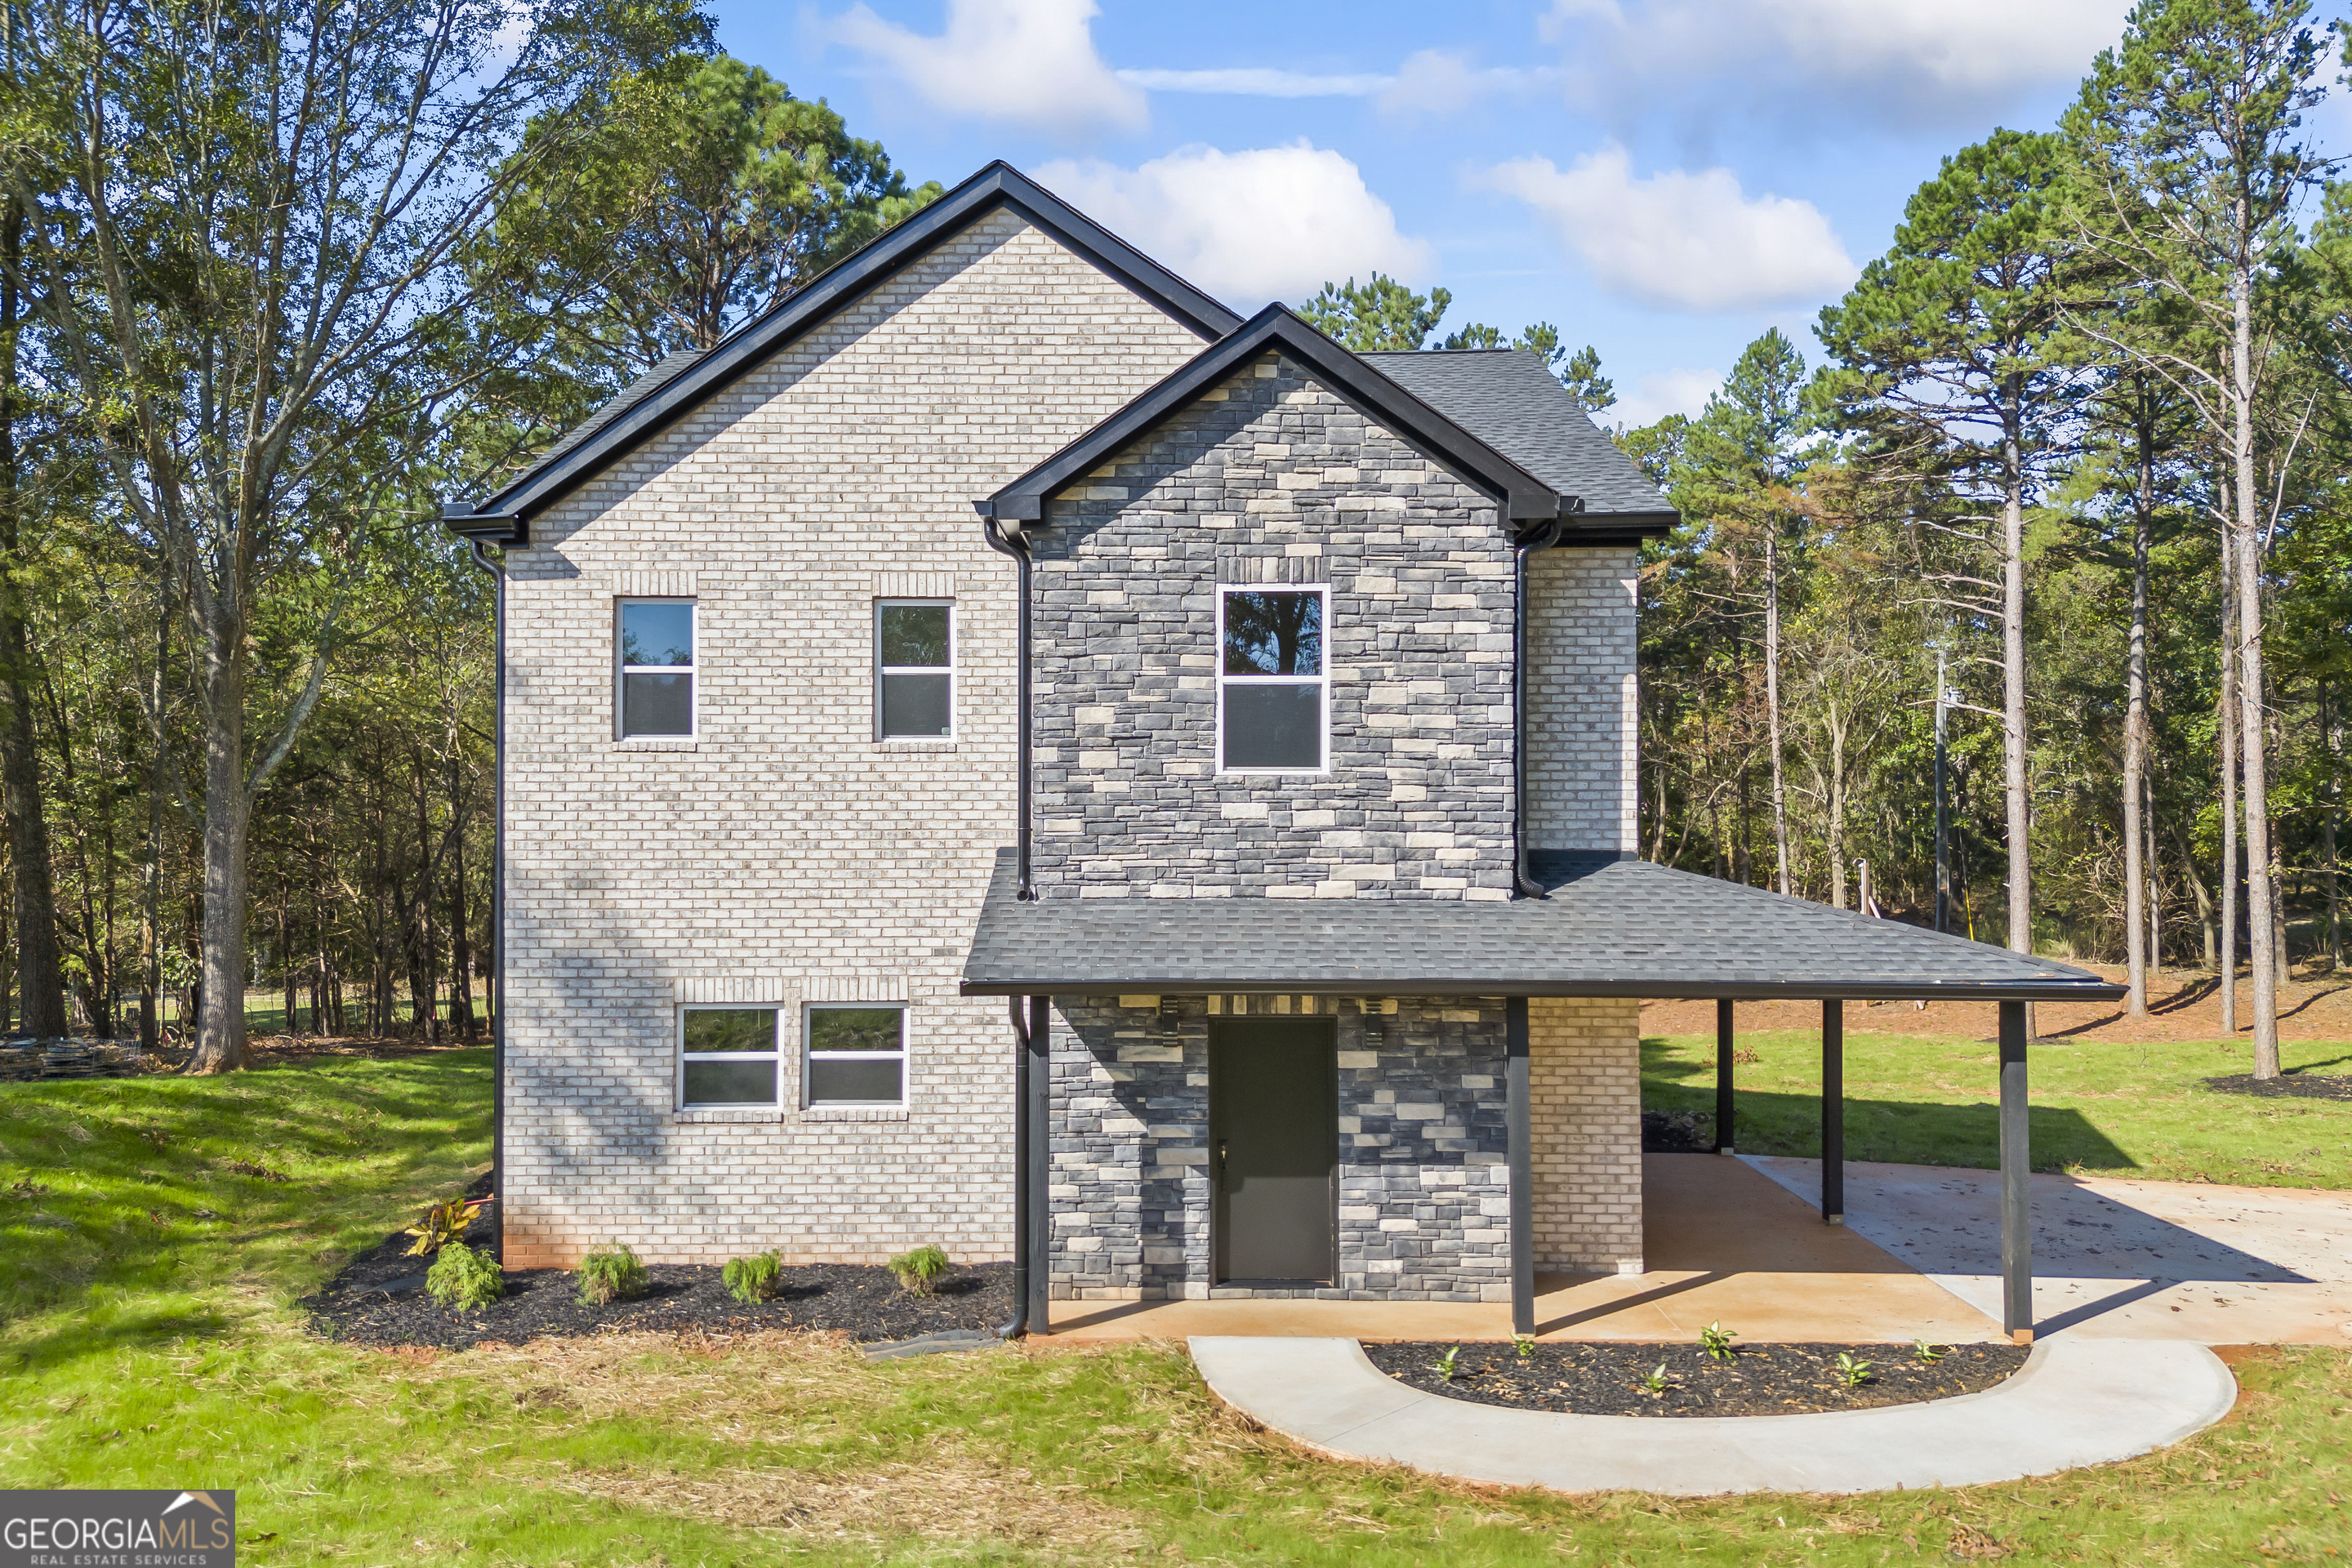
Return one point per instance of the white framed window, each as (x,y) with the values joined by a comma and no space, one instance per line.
(729,1056)
(654,667)
(855,1053)
(1272,696)
(914,669)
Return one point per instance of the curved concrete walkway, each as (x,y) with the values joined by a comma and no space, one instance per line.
(2076,1402)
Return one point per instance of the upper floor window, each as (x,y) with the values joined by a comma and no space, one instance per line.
(656,667)
(1271,681)
(914,669)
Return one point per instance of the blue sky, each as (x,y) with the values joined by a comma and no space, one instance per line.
(1663,179)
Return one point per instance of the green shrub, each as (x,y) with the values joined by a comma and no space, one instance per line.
(919,1270)
(464,1278)
(610,1274)
(752,1280)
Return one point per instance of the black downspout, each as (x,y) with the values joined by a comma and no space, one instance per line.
(1013,544)
(1540,538)
(498,919)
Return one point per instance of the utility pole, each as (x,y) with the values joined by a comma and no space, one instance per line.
(1943,815)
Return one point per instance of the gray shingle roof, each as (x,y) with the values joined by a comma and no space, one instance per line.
(1511,402)
(668,366)
(1609,928)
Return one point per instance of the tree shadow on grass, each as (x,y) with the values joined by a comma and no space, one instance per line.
(1893,1131)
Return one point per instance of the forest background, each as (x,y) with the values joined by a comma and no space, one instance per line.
(2062,481)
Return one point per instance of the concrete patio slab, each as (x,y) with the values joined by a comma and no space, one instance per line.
(2077,1402)
(1724,1243)
(2168,1260)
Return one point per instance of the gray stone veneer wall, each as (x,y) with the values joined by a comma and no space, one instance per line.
(1424,1183)
(1271,478)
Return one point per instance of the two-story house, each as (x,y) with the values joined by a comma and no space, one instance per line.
(1002,617)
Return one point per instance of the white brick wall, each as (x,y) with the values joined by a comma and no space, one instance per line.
(784,855)
(1584,1068)
(1583,731)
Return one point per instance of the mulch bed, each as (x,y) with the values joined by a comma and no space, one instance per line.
(1758,1380)
(2286,1086)
(379,1300)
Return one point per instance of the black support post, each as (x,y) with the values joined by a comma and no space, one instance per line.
(1833,1113)
(1037,1157)
(1725,1105)
(2016,1178)
(1523,1197)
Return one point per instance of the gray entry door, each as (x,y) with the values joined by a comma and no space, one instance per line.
(1273,1147)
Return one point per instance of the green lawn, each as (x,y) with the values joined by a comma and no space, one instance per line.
(2098,1108)
(144,1343)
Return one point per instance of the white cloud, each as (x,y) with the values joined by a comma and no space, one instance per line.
(1917,61)
(1655,397)
(1268,223)
(1437,82)
(1031,62)
(1256,81)
(1677,240)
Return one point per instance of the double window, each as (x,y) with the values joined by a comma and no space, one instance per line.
(853,1055)
(656,668)
(1272,697)
(914,669)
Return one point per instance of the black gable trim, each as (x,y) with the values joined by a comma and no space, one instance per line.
(504,518)
(1525,498)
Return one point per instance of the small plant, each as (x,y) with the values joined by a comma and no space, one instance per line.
(464,1279)
(1448,1363)
(752,1280)
(1851,1372)
(1525,1345)
(610,1274)
(1715,1340)
(1653,1382)
(442,1224)
(1928,1353)
(920,1269)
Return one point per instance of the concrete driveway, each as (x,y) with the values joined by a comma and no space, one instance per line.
(2116,1259)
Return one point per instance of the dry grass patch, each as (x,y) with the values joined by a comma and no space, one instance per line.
(952,1496)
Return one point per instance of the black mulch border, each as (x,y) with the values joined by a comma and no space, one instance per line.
(1776,1379)
(2286,1086)
(378,1300)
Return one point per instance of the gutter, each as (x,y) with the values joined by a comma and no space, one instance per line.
(1011,541)
(1541,537)
(497,916)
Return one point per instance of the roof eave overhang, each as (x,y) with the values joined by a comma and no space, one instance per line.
(1645,990)
(1525,500)
(998,186)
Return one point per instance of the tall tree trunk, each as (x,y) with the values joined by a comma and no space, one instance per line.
(228,822)
(2015,784)
(2136,872)
(2331,745)
(1772,703)
(461,944)
(2227,727)
(2262,866)
(38,972)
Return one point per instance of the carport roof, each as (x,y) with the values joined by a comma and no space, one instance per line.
(1608,927)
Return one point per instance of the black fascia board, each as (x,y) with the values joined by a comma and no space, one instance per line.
(998,185)
(1646,990)
(504,530)
(1525,498)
